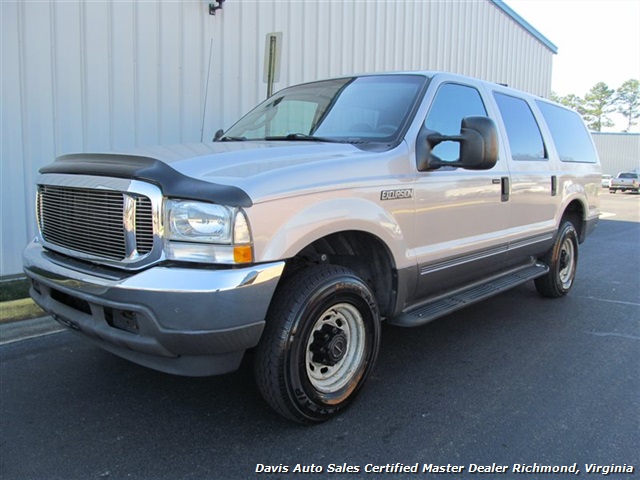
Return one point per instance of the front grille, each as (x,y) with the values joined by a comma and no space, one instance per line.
(92,221)
(144,225)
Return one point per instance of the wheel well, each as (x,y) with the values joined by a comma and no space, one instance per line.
(575,213)
(363,253)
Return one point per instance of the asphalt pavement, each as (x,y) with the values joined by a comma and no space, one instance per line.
(516,381)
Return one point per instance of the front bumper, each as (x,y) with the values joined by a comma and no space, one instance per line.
(186,321)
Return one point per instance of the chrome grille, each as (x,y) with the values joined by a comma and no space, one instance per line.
(144,225)
(91,221)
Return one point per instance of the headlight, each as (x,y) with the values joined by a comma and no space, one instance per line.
(206,232)
(199,222)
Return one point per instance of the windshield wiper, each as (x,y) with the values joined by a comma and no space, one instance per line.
(232,139)
(299,136)
(309,138)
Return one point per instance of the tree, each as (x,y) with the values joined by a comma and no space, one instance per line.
(598,103)
(555,97)
(575,102)
(628,101)
(572,101)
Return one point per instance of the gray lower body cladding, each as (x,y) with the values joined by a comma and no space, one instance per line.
(187,321)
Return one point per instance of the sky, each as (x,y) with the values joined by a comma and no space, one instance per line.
(597,40)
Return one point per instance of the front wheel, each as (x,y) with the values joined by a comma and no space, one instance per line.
(562,260)
(320,343)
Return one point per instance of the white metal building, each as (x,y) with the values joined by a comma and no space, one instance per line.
(618,152)
(82,75)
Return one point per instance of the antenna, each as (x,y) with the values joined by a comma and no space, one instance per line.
(206,91)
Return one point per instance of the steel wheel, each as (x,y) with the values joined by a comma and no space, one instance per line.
(319,345)
(335,348)
(562,260)
(567,265)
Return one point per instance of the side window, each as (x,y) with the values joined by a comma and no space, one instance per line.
(523,132)
(569,134)
(451,104)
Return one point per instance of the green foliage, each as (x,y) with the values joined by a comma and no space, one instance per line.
(14,290)
(598,104)
(574,102)
(601,101)
(627,101)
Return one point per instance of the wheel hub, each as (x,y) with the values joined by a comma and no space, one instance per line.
(329,345)
(563,260)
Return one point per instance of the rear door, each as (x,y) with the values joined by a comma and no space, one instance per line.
(533,194)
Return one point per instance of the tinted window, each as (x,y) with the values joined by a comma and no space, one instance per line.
(525,139)
(569,134)
(293,116)
(452,103)
(356,110)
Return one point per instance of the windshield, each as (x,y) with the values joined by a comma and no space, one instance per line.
(352,110)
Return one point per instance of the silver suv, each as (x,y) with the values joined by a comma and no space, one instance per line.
(329,208)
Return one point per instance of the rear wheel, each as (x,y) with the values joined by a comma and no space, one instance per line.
(319,345)
(562,260)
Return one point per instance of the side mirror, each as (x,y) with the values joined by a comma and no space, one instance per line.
(218,135)
(478,141)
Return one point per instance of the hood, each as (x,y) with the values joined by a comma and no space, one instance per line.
(266,169)
(235,161)
(235,173)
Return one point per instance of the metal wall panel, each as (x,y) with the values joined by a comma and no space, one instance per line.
(83,75)
(13,165)
(618,152)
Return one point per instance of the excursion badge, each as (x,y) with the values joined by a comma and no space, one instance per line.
(396,194)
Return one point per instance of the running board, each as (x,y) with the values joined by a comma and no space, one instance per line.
(466,296)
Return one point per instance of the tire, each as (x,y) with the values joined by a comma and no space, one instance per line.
(562,260)
(319,345)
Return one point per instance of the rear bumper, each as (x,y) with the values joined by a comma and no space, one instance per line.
(186,321)
(624,187)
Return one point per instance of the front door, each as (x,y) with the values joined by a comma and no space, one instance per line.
(461,215)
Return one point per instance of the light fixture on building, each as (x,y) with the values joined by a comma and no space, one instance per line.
(213,7)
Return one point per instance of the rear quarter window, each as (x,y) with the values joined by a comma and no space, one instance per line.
(571,137)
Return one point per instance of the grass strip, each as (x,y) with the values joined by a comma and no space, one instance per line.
(21,309)
(14,290)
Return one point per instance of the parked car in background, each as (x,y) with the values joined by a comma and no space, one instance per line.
(606,180)
(625,181)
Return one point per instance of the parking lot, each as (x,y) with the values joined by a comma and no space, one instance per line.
(515,380)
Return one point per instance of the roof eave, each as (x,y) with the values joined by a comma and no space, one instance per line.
(526,25)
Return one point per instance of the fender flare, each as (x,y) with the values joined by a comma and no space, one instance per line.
(327,217)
